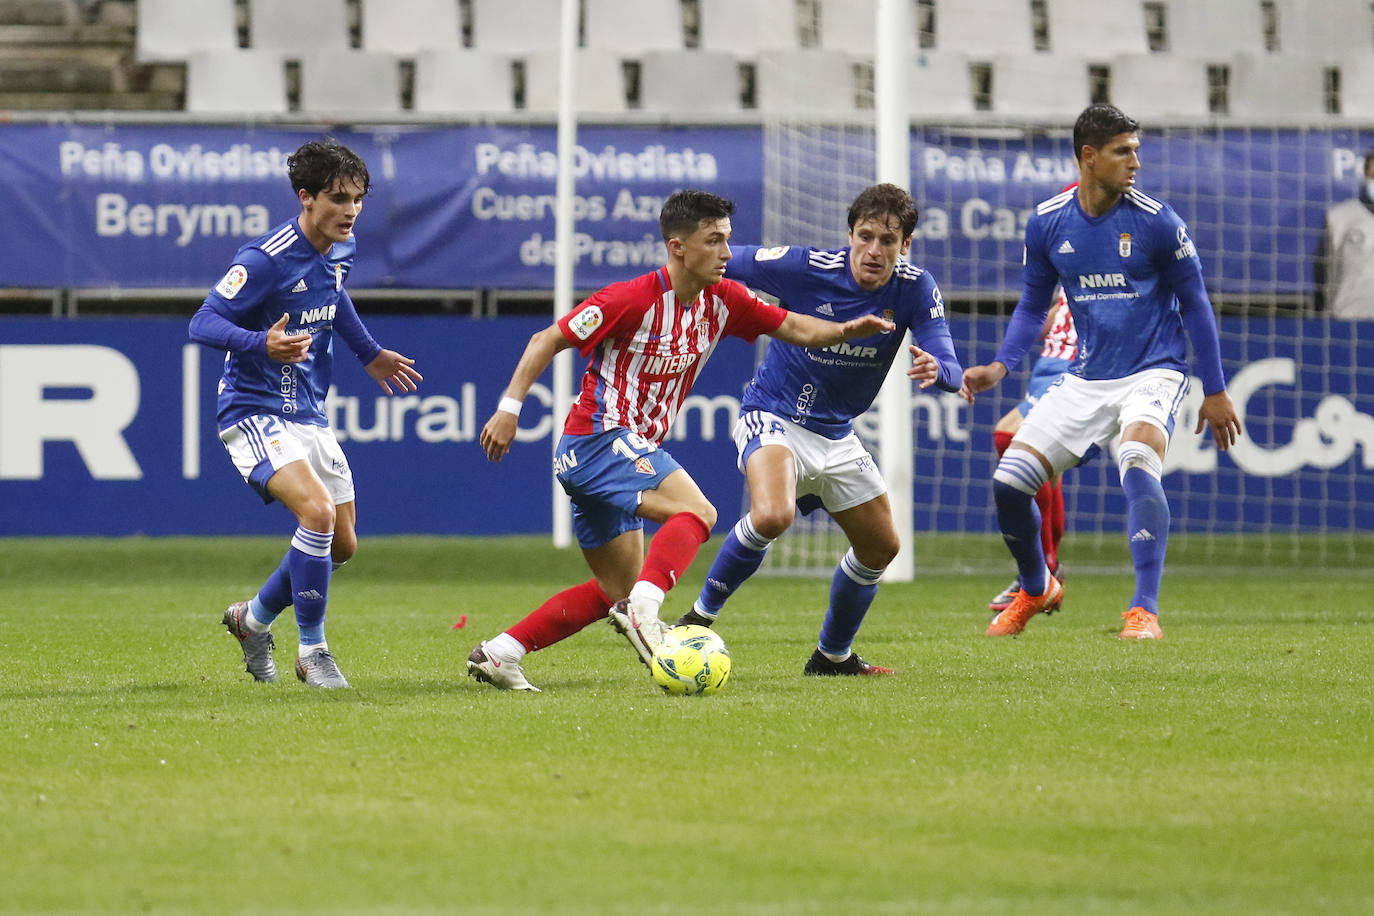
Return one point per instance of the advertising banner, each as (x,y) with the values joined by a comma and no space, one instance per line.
(472,207)
(107,428)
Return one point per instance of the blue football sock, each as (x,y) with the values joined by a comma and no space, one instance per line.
(1019,518)
(275,594)
(1147,525)
(310,566)
(739,558)
(852,590)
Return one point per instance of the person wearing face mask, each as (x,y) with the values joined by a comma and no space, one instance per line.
(1344,264)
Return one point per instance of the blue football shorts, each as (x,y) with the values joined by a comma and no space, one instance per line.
(605,475)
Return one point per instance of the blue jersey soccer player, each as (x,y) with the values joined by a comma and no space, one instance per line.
(1134,283)
(795,436)
(275,311)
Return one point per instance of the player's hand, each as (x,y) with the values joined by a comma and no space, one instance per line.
(925,369)
(978,379)
(1219,413)
(391,368)
(866,326)
(498,434)
(284,347)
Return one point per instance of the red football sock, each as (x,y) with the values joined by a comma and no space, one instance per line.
(1045,500)
(561,616)
(673,548)
(1057,514)
(1001,439)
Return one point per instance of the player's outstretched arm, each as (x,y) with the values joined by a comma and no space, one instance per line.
(810,331)
(391,368)
(499,431)
(978,379)
(1219,413)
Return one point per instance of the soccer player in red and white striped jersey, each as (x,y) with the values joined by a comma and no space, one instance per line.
(646,341)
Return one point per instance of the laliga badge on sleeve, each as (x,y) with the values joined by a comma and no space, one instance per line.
(584,323)
(232,282)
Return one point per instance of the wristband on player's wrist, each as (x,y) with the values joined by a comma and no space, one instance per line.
(510,406)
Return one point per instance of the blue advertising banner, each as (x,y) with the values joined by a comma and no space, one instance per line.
(471,207)
(107,428)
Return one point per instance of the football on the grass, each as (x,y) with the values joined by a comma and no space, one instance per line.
(691,660)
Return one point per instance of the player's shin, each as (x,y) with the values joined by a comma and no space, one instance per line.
(1018,477)
(1147,520)
(852,590)
(672,550)
(562,615)
(739,557)
(310,567)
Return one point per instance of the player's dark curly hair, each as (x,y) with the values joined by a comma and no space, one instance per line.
(882,202)
(684,211)
(1097,125)
(318,164)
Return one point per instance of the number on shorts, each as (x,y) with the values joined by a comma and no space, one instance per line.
(631,445)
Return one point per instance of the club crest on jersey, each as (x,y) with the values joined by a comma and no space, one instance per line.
(1123,246)
(338,276)
(771,254)
(1186,248)
(644,466)
(232,282)
(584,323)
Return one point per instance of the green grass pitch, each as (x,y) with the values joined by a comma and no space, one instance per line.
(1228,769)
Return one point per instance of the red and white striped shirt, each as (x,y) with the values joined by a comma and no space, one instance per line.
(646,349)
(1061,340)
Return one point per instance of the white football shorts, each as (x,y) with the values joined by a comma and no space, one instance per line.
(1077,416)
(264,443)
(840,473)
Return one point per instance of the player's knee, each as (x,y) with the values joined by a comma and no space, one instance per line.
(317,514)
(1139,455)
(344,547)
(879,555)
(770,522)
(706,512)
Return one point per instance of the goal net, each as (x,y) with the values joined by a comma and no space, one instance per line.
(1298,491)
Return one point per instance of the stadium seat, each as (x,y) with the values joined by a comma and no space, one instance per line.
(689,83)
(1357,88)
(600,83)
(1214,30)
(1153,88)
(169,30)
(295,26)
(1327,30)
(241,80)
(634,27)
(1283,86)
(1048,86)
(516,28)
(806,81)
(463,80)
(985,30)
(350,83)
(406,26)
(850,26)
(748,28)
(1098,30)
(940,84)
